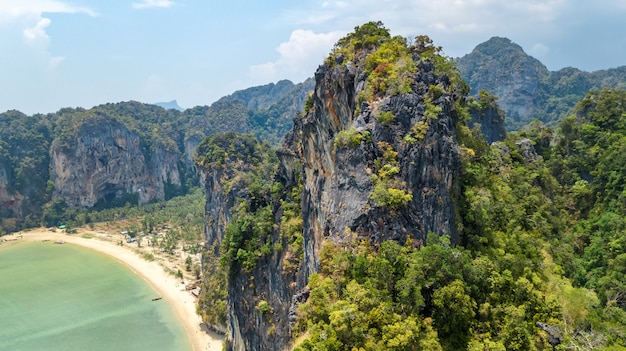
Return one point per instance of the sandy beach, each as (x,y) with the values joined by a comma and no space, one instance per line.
(166,285)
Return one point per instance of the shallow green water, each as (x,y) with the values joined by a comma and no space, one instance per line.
(63,297)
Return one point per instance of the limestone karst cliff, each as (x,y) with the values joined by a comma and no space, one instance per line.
(104,161)
(11,202)
(119,153)
(24,161)
(487,116)
(527,90)
(373,157)
(502,68)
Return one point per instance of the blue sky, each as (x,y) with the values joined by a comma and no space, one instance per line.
(69,53)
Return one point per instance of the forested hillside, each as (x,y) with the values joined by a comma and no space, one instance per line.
(392,225)
(540,245)
(57,165)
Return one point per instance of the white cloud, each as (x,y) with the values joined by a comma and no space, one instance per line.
(153,3)
(13,9)
(54,61)
(458,25)
(26,17)
(299,56)
(37,32)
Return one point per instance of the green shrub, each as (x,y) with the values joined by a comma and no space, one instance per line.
(387,191)
(348,138)
(264,307)
(386,117)
(389,196)
(308,105)
(436,91)
(432,110)
(419,129)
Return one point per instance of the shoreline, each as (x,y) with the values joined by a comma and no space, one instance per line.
(168,287)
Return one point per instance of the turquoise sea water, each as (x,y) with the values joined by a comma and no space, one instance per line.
(63,297)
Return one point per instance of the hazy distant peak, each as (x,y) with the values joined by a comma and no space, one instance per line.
(170,105)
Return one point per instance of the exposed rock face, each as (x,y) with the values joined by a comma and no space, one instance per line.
(527,150)
(491,121)
(10,203)
(338,186)
(225,182)
(337,181)
(555,335)
(503,68)
(527,90)
(105,161)
(219,202)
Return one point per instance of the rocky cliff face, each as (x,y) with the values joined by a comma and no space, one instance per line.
(503,68)
(527,90)
(338,182)
(139,154)
(379,168)
(488,117)
(10,203)
(104,161)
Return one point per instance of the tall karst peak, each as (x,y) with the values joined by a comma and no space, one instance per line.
(503,68)
(374,156)
(525,88)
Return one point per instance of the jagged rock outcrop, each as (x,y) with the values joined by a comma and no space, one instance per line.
(231,168)
(104,161)
(490,119)
(223,184)
(527,150)
(338,181)
(503,68)
(527,90)
(379,168)
(555,334)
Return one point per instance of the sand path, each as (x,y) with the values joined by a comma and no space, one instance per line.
(168,287)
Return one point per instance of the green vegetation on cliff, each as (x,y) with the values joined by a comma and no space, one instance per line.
(248,167)
(24,161)
(265,217)
(542,241)
(541,248)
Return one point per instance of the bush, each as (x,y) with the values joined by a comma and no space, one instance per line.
(264,307)
(420,128)
(386,117)
(348,138)
(390,197)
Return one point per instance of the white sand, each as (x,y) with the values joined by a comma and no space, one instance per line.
(166,285)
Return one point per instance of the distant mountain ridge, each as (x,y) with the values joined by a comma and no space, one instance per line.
(527,90)
(123,152)
(262,97)
(170,105)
